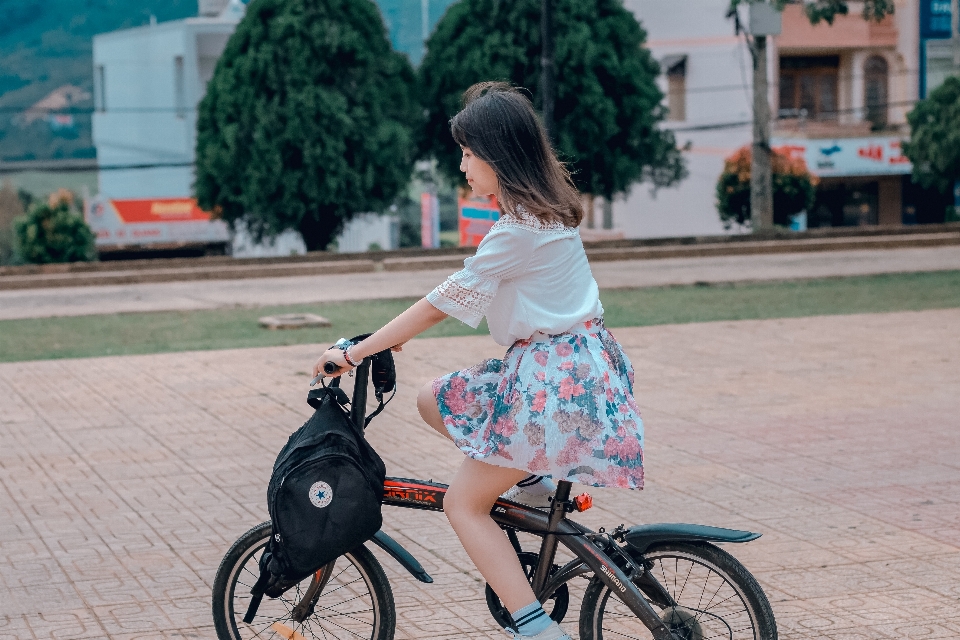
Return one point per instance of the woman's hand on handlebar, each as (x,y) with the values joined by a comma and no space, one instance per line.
(336,357)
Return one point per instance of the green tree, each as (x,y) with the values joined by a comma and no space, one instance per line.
(934,146)
(607,105)
(54,232)
(828,10)
(308,119)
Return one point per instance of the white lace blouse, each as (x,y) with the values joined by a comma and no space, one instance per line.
(526,276)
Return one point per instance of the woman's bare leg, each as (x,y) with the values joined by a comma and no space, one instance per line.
(467,504)
(427,405)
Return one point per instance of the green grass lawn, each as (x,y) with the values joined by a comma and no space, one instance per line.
(116,334)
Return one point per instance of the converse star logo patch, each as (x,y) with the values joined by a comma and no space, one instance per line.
(321,494)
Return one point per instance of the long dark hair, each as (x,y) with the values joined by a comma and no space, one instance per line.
(499,125)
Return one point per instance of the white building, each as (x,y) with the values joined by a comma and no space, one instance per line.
(706,79)
(148,82)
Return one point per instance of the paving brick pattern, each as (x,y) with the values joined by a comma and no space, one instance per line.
(123,480)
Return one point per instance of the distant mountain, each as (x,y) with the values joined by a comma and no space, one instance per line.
(46,51)
(46,45)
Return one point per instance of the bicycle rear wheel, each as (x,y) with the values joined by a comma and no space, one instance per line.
(356,600)
(716,599)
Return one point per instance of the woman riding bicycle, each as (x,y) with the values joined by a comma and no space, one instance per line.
(560,404)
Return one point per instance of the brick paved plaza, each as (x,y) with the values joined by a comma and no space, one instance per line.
(123,480)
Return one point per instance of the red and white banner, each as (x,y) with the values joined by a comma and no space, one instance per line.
(153,221)
(838,157)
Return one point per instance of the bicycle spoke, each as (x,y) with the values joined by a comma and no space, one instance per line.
(345,629)
(708,605)
(685,579)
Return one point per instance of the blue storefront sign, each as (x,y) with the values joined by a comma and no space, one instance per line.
(934,19)
(934,25)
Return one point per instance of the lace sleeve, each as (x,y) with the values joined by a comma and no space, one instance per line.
(465,296)
(503,254)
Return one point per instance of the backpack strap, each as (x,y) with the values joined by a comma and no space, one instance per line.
(262,583)
(382,405)
(316,396)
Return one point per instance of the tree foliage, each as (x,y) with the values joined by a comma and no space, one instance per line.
(828,10)
(607,105)
(793,188)
(934,145)
(308,119)
(54,232)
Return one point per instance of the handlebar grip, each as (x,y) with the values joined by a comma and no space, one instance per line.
(330,367)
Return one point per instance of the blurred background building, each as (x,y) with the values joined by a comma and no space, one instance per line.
(148,82)
(707,82)
(840,93)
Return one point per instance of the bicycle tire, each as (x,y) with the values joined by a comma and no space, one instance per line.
(717,599)
(356,602)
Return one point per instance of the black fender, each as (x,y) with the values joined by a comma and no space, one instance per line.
(643,536)
(401,555)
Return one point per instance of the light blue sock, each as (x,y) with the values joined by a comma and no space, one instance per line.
(531,620)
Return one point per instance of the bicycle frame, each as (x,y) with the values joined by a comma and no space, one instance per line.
(556,528)
(554,525)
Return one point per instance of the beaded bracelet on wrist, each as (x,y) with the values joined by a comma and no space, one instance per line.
(346,356)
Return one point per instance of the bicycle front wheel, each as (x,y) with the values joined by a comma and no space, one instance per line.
(355,600)
(715,598)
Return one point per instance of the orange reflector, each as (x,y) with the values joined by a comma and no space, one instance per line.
(583,502)
(285,632)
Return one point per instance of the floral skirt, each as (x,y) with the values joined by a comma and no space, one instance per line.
(556,405)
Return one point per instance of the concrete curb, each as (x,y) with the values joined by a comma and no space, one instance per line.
(229,269)
(140,276)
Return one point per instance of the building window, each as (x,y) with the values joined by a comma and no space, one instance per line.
(675,68)
(875,75)
(100,89)
(808,86)
(179,87)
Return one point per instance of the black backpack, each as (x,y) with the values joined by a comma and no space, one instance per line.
(325,492)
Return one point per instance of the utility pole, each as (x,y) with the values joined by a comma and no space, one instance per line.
(955,41)
(547,82)
(955,32)
(761,167)
(425,23)
(759,19)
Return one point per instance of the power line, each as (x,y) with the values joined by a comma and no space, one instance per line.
(841,78)
(76,167)
(89,110)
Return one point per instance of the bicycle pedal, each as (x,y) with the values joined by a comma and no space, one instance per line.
(582,502)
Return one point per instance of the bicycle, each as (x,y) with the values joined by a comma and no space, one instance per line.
(660,581)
